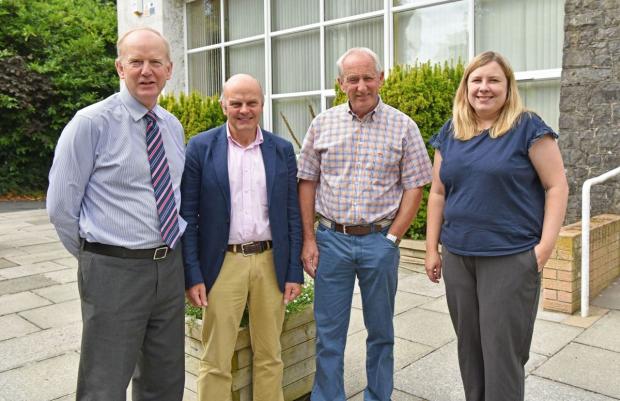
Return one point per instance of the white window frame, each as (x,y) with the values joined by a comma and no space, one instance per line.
(388,12)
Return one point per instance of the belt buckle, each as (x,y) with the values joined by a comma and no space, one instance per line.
(160,253)
(243,248)
(344,229)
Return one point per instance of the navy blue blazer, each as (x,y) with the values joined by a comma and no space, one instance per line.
(205,205)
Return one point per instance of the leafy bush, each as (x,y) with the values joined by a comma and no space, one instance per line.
(196,112)
(425,93)
(57,57)
(300,303)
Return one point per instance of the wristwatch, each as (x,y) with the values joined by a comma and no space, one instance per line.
(393,238)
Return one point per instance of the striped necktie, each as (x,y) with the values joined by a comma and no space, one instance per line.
(162,184)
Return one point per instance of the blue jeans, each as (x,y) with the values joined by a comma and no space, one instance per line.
(374,260)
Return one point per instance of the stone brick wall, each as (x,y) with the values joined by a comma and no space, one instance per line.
(590,101)
(562,273)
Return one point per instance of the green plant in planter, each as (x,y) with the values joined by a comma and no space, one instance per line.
(300,303)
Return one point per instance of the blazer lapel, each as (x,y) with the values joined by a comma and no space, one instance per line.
(220,162)
(268,151)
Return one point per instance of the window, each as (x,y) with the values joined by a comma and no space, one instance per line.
(295,59)
(437,33)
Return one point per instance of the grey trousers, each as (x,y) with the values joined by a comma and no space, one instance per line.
(132,312)
(493,302)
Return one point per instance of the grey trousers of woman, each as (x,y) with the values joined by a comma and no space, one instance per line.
(493,302)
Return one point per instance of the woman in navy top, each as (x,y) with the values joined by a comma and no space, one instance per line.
(497,203)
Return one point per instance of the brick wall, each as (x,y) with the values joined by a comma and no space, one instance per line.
(562,273)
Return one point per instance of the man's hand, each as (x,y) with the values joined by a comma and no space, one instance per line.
(310,257)
(197,295)
(291,291)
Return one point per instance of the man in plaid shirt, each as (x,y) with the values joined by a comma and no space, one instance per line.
(362,168)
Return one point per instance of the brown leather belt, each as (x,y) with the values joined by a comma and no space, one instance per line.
(120,252)
(250,248)
(355,229)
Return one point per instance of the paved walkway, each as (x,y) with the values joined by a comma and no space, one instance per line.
(572,358)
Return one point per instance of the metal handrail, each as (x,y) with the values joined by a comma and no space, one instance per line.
(585,236)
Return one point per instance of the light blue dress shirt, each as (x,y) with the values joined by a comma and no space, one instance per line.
(100,181)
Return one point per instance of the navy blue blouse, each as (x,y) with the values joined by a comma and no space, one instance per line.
(494,200)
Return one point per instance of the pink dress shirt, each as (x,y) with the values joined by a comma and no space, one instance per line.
(249,211)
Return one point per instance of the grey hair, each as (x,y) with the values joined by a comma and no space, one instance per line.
(122,38)
(363,50)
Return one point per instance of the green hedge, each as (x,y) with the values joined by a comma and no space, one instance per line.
(424,92)
(196,112)
(56,57)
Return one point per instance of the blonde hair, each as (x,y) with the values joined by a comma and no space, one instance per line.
(464,122)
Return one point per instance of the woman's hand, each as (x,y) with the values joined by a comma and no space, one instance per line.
(432,263)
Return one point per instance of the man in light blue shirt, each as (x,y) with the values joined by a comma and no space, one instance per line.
(114,198)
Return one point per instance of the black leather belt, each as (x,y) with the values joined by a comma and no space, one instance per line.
(355,229)
(250,248)
(120,252)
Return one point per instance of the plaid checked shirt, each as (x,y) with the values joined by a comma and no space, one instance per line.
(363,166)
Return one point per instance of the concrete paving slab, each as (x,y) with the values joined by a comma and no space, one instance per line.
(44,381)
(69,262)
(420,284)
(539,389)
(396,396)
(59,293)
(438,305)
(39,346)
(56,315)
(38,257)
(424,327)
(594,315)
(12,326)
(589,368)
(434,377)
(6,263)
(24,284)
(46,247)
(63,276)
(605,333)
(9,252)
(405,353)
(20,301)
(551,316)
(610,297)
(404,301)
(356,323)
(535,360)
(29,270)
(550,337)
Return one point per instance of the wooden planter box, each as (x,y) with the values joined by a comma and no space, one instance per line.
(298,355)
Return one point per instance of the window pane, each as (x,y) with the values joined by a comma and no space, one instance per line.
(297,113)
(542,97)
(345,8)
(243,19)
(529,33)
(203,23)
(291,13)
(248,58)
(436,33)
(340,38)
(205,72)
(296,62)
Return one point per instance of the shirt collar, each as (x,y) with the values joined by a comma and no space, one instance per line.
(257,141)
(376,112)
(135,108)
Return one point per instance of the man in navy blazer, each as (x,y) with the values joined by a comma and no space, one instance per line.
(243,240)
